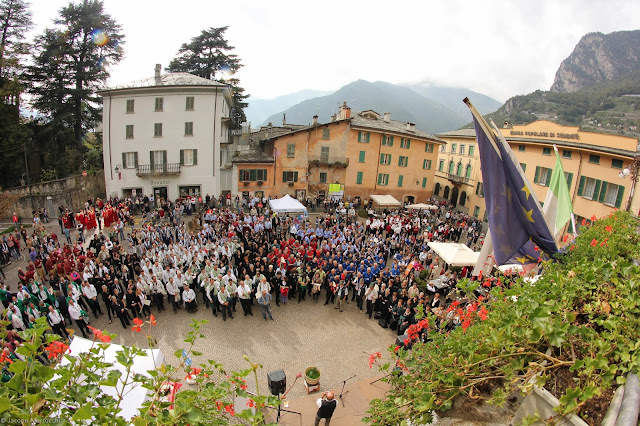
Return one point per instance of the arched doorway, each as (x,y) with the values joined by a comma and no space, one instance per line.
(437,189)
(409,199)
(463,198)
(445,194)
(454,196)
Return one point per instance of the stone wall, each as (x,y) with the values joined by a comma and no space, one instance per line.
(71,192)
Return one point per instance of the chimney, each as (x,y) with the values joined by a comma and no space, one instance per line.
(157,74)
(333,118)
(411,127)
(315,120)
(345,112)
(387,117)
(284,120)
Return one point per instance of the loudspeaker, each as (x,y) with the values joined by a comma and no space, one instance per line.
(277,381)
(400,341)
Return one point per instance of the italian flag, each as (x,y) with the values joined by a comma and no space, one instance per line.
(557,207)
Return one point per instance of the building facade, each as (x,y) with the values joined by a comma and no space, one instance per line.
(168,136)
(592,163)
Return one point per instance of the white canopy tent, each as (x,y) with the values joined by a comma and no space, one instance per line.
(287,204)
(135,393)
(421,206)
(455,254)
(386,201)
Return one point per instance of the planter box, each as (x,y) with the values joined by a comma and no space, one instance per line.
(541,402)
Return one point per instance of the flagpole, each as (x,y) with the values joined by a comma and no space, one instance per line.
(483,123)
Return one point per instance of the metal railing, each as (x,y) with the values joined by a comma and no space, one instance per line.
(454,178)
(158,169)
(328,161)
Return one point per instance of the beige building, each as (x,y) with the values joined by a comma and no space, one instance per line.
(592,163)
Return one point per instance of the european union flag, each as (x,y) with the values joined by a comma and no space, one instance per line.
(515,219)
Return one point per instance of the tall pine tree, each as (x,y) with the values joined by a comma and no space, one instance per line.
(209,55)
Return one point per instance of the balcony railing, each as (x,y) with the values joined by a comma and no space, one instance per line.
(453,178)
(328,161)
(158,169)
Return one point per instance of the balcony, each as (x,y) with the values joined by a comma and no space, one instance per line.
(454,178)
(158,169)
(321,160)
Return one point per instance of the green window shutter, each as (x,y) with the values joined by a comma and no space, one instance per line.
(182,157)
(424,182)
(549,173)
(379,178)
(581,185)
(284,176)
(359,178)
(135,158)
(569,179)
(400,160)
(368,136)
(151,158)
(164,157)
(295,176)
(596,191)
(390,140)
(619,196)
(381,158)
(195,157)
(535,178)
(408,143)
(400,179)
(361,157)
(124,160)
(603,191)
(359,136)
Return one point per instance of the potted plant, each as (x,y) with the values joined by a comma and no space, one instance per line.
(290,183)
(259,183)
(246,183)
(312,376)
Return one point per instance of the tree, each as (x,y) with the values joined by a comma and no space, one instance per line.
(209,56)
(15,21)
(71,63)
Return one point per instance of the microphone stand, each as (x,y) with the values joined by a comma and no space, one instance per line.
(342,391)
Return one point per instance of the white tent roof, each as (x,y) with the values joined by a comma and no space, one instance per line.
(136,394)
(386,201)
(455,254)
(287,204)
(421,206)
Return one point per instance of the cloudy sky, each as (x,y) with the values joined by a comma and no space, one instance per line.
(499,48)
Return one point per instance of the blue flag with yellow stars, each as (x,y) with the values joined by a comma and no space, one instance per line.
(518,229)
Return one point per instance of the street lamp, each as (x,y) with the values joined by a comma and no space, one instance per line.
(631,170)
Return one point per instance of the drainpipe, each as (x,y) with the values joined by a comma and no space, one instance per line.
(375,181)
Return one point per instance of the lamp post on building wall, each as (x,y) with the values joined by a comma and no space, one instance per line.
(631,170)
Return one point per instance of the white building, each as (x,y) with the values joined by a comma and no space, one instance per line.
(167,135)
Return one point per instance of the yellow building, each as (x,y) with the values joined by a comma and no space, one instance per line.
(592,163)
(365,153)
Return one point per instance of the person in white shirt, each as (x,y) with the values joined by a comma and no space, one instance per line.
(244,294)
(174,294)
(76,314)
(224,300)
(56,320)
(189,298)
(15,316)
(91,294)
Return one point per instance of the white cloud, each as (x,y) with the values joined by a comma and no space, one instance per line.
(500,48)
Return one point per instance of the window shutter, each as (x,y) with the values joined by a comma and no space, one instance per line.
(384,139)
(124,160)
(408,143)
(379,178)
(359,136)
(619,196)
(424,182)
(368,136)
(361,159)
(295,176)
(195,157)
(535,178)
(151,158)
(284,176)
(400,179)
(135,159)
(569,179)
(182,157)
(603,191)
(391,139)
(164,157)
(596,191)
(581,185)
(381,158)
(548,178)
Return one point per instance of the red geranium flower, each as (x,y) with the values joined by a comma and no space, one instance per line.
(152,320)
(608,228)
(138,322)
(482,313)
(373,357)
(229,409)
(99,335)
(594,242)
(55,349)
(251,403)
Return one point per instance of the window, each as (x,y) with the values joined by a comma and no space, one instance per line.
(523,166)
(323,177)
(361,156)
(476,211)
(158,160)
(130,106)
(566,154)
(542,176)
(128,130)
(188,157)
(461,149)
(451,167)
(405,143)
(424,182)
(459,169)
(324,154)
(291,150)
(426,164)
(436,189)
(521,148)
(400,179)
(454,146)
(251,175)
(383,179)
(467,173)
(428,147)
(364,137)
(359,178)
(188,128)
(159,104)
(568,177)
(289,176)
(546,151)
(589,188)
(190,103)
(387,140)
(472,148)
(157,130)
(595,159)
(385,159)
(325,133)
(129,160)
(611,191)
(480,189)
(601,191)
(441,165)
(616,164)
(443,148)
(403,161)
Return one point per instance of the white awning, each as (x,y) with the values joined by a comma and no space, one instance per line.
(455,254)
(286,204)
(386,201)
(421,206)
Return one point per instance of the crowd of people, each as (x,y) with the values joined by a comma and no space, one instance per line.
(232,260)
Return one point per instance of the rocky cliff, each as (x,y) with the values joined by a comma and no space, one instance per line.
(598,57)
